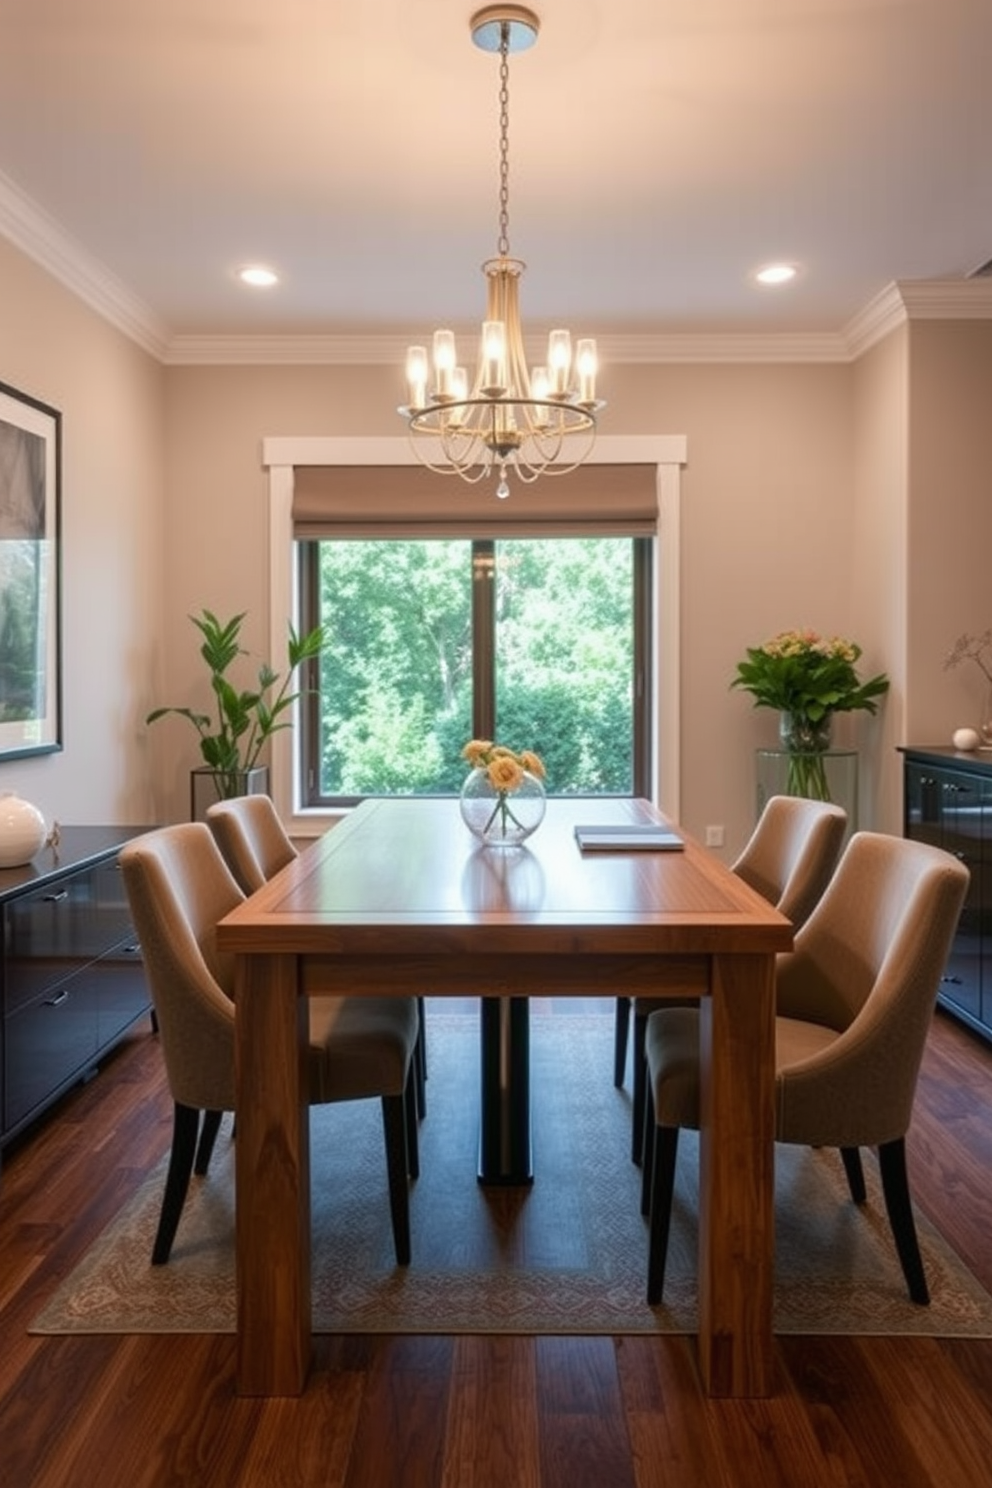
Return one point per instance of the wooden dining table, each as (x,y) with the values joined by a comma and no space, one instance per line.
(401,899)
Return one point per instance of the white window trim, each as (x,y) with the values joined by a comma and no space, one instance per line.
(666,452)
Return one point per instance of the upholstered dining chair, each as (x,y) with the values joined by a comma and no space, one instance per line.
(178,887)
(788,860)
(854,1000)
(255,845)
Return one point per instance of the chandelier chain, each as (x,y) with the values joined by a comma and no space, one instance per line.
(503,241)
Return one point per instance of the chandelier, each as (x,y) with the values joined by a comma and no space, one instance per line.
(541,422)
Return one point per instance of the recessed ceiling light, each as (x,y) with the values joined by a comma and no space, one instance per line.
(777,273)
(258,276)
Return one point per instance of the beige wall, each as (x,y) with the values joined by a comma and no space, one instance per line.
(110,395)
(949,511)
(878,569)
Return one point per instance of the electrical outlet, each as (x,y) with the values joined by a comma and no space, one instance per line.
(714,836)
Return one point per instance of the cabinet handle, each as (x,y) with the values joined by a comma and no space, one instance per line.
(953,981)
(58,999)
(57,898)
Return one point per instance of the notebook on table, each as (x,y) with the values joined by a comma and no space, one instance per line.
(625,836)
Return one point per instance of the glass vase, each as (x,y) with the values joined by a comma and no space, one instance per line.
(502,818)
(806,741)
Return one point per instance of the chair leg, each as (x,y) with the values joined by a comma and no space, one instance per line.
(185,1125)
(898,1205)
(412,1116)
(666,1147)
(637,1127)
(420,1059)
(395,1129)
(205,1146)
(648,1133)
(620,1026)
(851,1158)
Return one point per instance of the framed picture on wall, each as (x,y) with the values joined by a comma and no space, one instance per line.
(30,572)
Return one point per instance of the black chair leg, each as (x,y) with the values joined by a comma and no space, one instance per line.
(185,1126)
(637,1127)
(395,1129)
(420,1059)
(647,1148)
(666,1147)
(208,1136)
(412,1116)
(851,1158)
(620,1027)
(898,1206)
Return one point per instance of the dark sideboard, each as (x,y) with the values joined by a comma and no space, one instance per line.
(71,978)
(947,801)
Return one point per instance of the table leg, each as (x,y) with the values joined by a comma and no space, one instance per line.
(272,1175)
(736,1205)
(505,1151)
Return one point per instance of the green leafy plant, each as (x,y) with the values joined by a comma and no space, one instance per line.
(232,740)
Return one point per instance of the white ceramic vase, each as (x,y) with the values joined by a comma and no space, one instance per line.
(22,830)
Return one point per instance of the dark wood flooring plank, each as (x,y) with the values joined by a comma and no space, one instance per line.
(583,1428)
(667,1415)
(399,1438)
(492,1430)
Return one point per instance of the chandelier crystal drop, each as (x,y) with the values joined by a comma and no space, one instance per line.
(537,422)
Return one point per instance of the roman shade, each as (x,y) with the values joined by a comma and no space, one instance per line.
(369,501)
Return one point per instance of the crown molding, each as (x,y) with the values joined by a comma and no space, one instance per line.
(46,243)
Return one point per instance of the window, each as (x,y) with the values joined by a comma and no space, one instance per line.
(541,642)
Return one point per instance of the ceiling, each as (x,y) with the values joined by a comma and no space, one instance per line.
(660,152)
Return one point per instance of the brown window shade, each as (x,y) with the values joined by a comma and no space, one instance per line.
(367,501)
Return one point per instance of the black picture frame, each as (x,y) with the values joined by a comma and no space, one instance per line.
(30,576)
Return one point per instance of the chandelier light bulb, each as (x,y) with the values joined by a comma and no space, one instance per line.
(444,362)
(559,361)
(416,375)
(493,358)
(586,367)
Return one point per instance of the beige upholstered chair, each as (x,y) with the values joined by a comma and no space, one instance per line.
(255,846)
(251,838)
(854,1000)
(788,860)
(178,887)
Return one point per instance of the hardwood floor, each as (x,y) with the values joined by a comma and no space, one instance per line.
(480,1412)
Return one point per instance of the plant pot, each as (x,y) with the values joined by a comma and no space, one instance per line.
(502,818)
(207,786)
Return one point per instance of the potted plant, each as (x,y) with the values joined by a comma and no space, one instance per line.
(808,679)
(231,742)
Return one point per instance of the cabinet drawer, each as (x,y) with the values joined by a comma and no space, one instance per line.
(123,991)
(56,930)
(47,1042)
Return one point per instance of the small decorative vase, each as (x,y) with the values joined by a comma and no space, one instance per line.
(502,818)
(22,830)
(806,742)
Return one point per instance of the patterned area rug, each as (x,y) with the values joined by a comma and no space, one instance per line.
(568,1255)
